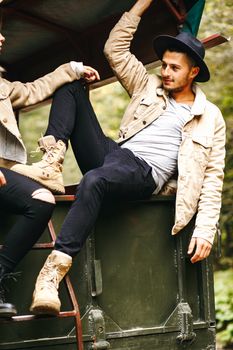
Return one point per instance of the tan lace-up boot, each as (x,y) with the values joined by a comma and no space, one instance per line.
(45,298)
(48,171)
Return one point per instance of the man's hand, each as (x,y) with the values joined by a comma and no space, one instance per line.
(2,179)
(200,248)
(140,7)
(90,74)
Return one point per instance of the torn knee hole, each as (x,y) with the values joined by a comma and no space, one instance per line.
(44,195)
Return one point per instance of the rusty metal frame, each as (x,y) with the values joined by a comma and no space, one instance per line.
(179,14)
(214,40)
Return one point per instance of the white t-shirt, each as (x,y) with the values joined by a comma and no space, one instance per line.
(159,142)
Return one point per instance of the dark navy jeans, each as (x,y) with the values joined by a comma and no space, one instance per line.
(109,171)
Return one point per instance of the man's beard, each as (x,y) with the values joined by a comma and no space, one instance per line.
(181,86)
(176,89)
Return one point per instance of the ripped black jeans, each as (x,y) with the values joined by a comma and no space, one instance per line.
(32,217)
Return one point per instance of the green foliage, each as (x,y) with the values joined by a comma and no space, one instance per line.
(109,103)
(217,18)
(224,306)
(227,206)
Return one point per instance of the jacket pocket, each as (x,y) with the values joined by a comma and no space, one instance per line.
(204,140)
(202,146)
(145,106)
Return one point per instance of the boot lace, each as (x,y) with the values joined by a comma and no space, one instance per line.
(49,277)
(48,153)
(2,294)
(51,154)
(4,281)
(38,150)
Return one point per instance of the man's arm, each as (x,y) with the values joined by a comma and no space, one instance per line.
(210,197)
(128,69)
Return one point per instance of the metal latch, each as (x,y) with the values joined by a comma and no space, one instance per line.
(185,320)
(97,324)
(182,318)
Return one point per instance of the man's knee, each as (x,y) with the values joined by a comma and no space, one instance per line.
(44,195)
(92,180)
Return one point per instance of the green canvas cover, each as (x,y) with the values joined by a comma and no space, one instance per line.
(194,14)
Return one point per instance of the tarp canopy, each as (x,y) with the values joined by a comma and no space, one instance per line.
(193,16)
(41,34)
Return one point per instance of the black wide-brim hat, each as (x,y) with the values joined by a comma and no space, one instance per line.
(187,43)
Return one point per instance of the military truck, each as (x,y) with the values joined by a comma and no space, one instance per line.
(132,287)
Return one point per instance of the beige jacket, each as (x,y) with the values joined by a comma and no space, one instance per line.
(16,95)
(202,150)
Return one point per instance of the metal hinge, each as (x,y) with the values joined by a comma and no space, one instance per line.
(97,324)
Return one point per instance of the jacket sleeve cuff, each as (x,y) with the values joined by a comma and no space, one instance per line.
(77,68)
(204,234)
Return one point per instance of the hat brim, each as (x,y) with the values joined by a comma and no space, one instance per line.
(163,42)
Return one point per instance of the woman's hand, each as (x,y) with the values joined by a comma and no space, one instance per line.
(90,74)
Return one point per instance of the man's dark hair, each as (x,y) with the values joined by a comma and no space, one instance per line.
(193,63)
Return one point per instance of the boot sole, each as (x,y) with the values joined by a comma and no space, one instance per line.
(56,190)
(7,310)
(44,309)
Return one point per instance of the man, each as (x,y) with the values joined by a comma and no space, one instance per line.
(19,195)
(168,126)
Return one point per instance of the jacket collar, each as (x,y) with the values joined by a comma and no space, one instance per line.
(199,105)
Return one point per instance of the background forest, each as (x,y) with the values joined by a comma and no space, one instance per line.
(109,103)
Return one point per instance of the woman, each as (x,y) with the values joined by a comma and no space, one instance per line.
(18,194)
